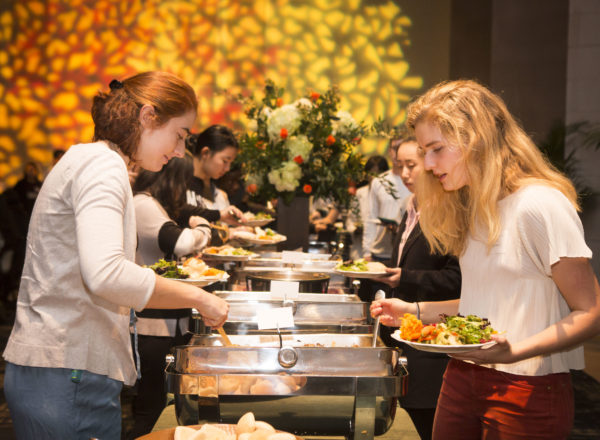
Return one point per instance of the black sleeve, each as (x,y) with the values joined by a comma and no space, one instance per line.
(439,284)
(212,215)
(167,237)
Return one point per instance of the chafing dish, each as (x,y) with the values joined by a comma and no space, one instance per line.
(317,313)
(309,282)
(342,390)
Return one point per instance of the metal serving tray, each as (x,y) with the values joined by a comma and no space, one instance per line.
(349,391)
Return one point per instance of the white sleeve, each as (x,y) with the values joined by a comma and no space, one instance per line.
(100,194)
(370,228)
(550,228)
(192,240)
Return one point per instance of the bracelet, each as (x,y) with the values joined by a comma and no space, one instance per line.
(418,310)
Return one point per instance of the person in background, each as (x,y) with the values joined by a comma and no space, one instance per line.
(417,275)
(214,150)
(27,188)
(492,199)
(386,200)
(159,198)
(69,352)
(374,166)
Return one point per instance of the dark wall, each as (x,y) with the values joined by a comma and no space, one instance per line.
(519,49)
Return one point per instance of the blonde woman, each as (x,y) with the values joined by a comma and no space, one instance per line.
(489,197)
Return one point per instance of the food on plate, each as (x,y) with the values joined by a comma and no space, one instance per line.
(361,265)
(196,268)
(168,269)
(248,216)
(265,234)
(452,330)
(247,428)
(227,250)
(258,234)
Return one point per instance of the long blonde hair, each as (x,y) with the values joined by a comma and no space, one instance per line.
(499,159)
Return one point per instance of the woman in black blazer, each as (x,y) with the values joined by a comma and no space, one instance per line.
(418,275)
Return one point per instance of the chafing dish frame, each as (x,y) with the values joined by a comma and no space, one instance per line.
(371,398)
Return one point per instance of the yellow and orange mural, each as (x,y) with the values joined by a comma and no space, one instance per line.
(56,54)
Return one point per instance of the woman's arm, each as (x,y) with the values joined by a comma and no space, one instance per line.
(171,294)
(391,310)
(577,283)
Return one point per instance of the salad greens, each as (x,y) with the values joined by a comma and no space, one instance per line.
(359,265)
(470,329)
(168,269)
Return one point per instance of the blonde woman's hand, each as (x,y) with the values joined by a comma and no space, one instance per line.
(390,310)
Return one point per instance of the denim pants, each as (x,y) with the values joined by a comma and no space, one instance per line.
(59,403)
(483,403)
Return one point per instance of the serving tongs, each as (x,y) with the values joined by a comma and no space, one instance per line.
(379,295)
(222,231)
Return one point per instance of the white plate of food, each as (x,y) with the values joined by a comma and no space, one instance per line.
(259,236)
(258,219)
(204,281)
(453,334)
(439,348)
(361,269)
(228,253)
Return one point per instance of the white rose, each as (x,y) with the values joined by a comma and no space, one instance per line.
(344,124)
(299,146)
(286,178)
(288,117)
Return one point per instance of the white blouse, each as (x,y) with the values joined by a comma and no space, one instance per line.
(80,280)
(512,284)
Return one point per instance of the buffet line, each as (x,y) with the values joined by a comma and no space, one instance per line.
(318,369)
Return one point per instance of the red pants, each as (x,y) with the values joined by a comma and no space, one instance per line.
(483,403)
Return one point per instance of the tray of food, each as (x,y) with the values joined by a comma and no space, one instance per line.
(453,334)
(227,253)
(361,268)
(256,219)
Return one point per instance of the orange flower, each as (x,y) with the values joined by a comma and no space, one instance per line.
(314,96)
(307,189)
(283,133)
(352,190)
(252,188)
(261,145)
(330,140)
(298,159)
(279,102)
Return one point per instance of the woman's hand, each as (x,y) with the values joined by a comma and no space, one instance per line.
(213,309)
(390,310)
(231,215)
(393,279)
(499,353)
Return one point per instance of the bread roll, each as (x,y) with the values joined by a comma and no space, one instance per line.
(184,433)
(246,423)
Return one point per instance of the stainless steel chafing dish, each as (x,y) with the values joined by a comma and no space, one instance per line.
(316,312)
(349,389)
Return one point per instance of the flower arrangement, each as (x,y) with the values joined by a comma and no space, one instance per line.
(307,147)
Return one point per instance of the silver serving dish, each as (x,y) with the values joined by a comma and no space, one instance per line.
(341,390)
(316,313)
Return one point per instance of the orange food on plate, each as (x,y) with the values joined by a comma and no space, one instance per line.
(411,327)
